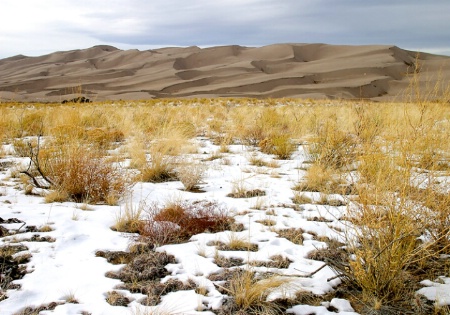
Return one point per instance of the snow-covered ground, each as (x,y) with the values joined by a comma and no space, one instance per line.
(64,267)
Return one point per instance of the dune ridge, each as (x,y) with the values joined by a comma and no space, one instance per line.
(377,72)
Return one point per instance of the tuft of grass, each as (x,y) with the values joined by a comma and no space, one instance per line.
(267,222)
(84,207)
(240,190)
(116,298)
(214,156)
(238,243)
(319,179)
(56,196)
(81,175)
(332,147)
(258,161)
(300,198)
(104,138)
(129,218)
(293,235)
(191,175)
(279,145)
(70,298)
(45,228)
(260,203)
(160,169)
(250,294)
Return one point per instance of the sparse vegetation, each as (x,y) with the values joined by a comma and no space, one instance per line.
(391,161)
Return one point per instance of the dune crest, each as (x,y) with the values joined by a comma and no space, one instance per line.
(377,72)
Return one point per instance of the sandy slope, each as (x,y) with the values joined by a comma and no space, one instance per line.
(281,70)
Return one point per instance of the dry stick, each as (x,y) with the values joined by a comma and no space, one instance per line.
(309,275)
(317,270)
(34,159)
(17,231)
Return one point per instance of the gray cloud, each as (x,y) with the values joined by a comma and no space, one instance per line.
(34,27)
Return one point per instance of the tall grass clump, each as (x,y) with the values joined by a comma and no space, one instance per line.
(75,172)
(191,175)
(83,175)
(385,246)
(155,164)
(399,229)
(331,146)
(30,122)
(319,178)
(280,145)
(270,128)
(369,122)
(249,295)
(160,168)
(155,155)
(399,223)
(129,217)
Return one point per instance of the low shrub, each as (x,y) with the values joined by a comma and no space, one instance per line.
(319,178)
(177,222)
(84,175)
(191,175)
(104,138)
(385,248)
(280,145)
(332,147)
(81,174)
(160,169)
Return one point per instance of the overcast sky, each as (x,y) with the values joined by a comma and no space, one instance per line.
(36,27)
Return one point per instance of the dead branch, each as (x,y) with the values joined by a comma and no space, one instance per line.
(34,161)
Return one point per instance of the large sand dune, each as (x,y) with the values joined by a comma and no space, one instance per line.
(283,70)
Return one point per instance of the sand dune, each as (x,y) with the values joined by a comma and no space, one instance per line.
(283,70)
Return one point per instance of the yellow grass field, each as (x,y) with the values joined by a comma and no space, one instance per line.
(387,165)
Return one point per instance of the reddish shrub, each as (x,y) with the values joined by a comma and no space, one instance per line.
(177,222)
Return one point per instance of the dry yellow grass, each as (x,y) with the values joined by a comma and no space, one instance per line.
(395,156)
(250,294)
(129,219)
(191,174)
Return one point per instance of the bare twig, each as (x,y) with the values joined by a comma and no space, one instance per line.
(34,160)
